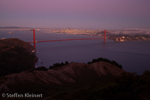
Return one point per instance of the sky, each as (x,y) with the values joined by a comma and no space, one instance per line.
(79,14)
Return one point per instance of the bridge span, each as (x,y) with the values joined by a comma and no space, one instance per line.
(34,40)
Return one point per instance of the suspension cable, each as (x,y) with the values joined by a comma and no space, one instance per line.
(24,34)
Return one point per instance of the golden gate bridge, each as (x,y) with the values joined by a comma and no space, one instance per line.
(34,39)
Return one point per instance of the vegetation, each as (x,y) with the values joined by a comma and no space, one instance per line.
(42,68)
(127,87)
(106,60)
(58,65)
(10,42)
(93,61)
(15,59)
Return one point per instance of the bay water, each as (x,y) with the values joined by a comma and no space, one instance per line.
(134,56)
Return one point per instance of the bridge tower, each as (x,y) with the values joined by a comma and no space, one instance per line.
(34,42)
(104,36)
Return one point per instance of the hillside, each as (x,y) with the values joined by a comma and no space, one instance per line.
(68,73)
(16,56)
(68,77)
(11,42)
(78,81)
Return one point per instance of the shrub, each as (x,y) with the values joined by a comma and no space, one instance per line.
(106,60)
(58,65)
(42,68)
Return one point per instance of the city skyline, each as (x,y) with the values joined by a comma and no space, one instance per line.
(79,14)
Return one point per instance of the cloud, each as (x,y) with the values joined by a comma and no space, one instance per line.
(131,31)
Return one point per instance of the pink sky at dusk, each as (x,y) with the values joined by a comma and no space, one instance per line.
(92,14)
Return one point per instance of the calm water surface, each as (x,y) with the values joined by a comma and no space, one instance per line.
(134,56)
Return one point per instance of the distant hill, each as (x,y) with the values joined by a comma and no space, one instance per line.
(12,27)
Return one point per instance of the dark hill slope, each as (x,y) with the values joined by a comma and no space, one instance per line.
(66,78)
(16,56)
(11,42)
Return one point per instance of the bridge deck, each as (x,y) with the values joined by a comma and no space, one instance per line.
(68,39)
